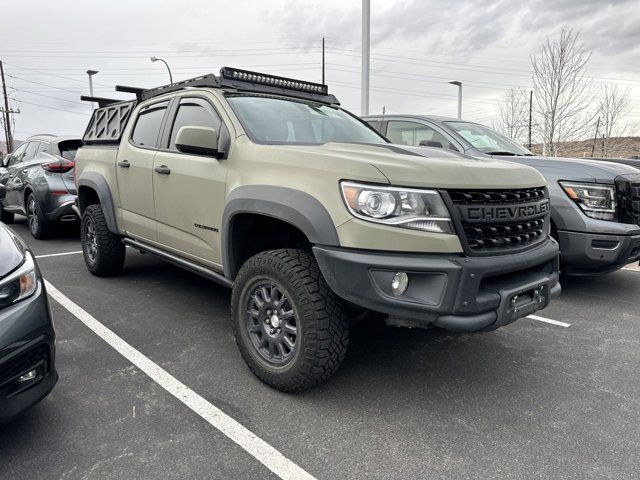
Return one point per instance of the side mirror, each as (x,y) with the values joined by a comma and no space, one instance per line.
(198,140)
(3,191)
(430,143)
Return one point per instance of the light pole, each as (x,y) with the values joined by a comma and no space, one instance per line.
(459,84)
(91,73)
(366,51)
(156,59)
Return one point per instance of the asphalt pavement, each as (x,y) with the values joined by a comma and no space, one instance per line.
(530,400)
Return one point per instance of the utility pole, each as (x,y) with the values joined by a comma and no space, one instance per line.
(595,138)
(323,61)
(7,112)
(366,53)
(530,114)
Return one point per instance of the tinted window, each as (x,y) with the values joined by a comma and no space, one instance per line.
(194,112)
(147,128)
(17,155)
(31,151)
(417,134)
(288,121)
(69,148)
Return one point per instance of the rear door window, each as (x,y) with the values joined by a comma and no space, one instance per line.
(147,128)
(44,147)
(31,151)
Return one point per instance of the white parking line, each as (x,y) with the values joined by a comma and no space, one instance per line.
(251,443)
(548,320)
(59,254)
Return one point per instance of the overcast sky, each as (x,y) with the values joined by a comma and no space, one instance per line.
(417,47)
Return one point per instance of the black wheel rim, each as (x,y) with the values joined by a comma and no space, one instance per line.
(90,241)
(32,215)
(271,322)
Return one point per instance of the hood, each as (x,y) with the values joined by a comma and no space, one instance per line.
(11,251)
(422,167)
(575,168)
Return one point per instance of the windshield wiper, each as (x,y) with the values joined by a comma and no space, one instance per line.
(502,153)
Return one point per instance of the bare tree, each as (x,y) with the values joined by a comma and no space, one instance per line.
(561,90)
(613,105)
(513,114)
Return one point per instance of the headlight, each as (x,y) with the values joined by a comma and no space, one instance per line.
(596,201)
(20,284)
(401,207)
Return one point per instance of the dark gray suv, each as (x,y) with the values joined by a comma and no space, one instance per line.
(595,205)
(40,182)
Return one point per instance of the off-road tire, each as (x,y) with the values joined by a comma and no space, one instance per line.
(6,217)
(323,335)
(105,256)
(38,224)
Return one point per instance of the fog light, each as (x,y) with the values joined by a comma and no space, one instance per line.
(28,376)
(399,283)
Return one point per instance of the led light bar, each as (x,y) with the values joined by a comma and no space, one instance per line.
(273,81)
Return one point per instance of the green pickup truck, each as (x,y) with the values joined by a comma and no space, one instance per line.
(265,185)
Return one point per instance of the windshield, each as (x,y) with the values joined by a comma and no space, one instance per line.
(289,121)
(487,140)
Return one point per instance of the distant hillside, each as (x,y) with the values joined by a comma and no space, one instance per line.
(621,147)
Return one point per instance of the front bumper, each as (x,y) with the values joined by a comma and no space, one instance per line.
(597,254)
(454,292)
(26,344)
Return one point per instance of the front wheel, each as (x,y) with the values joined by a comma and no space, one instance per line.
(288,324)
(103,250)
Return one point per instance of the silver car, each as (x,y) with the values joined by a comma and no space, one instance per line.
(40,182)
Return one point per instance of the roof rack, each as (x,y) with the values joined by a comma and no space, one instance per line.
(102,102)
(244,81)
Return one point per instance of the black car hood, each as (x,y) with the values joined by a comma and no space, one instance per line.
(12,251)
(573,167)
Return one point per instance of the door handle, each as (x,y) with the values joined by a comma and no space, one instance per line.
(124,164)
(162,169)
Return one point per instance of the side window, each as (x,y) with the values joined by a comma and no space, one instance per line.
(377,124)
(44,147)
(194,112)
(417,134)
(17,155)
(147,128)
(31,151)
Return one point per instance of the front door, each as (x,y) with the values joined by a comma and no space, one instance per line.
(189,189)
(134,167)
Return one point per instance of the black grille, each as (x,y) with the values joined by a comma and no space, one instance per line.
(628,201)
(499,236)
(21,364)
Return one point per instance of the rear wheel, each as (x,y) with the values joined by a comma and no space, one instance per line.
(289,326)
(103,250)
(38,224)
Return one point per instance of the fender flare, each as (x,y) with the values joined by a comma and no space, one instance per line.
(97,182)
(295,207)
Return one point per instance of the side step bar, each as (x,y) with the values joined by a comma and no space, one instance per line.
(186,264)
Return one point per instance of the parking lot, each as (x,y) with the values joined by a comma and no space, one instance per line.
(531,400)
